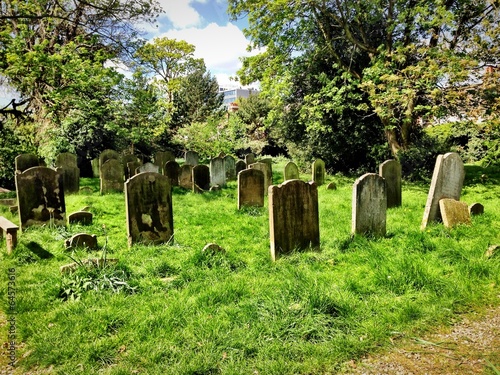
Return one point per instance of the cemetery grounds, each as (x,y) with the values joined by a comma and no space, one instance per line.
(173,309)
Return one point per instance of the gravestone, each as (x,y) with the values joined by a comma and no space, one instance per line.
(249,159)
(217,172)
(476,209)
(81,240)
(26,161)
(230,167)
(95,167)
(369,205)
(186,177)
(80,217)
(268,173)
(40,197)
(126,159)
(250,188)
(318,172)
(111,176)
(172,170)
(240,166)
(293,217)
(447,181)
(148,167)
(454,212)
(191,158)
(132,166)
(105,155)
(201,178)
(390,170)
(148,198)
(161,158)
(291,171)
(70,172)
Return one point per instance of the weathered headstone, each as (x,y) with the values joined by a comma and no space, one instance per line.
(318,172)
(161,158)
(390,170)
(95,167)
(148,198)
(80,217)
(148,167)
(126,159)
(476,209)
(172,170)
(191,158)
(230,166)
(201,178)
(105,155)
(217,172)
(293,217)
(454,212)
(186,177)
(291,171)
(240,166)
(268,173)
(26,161)
(70,171)
(331,186)
(249,158)
(447,181)
(81,240)
(132,166)
(111,176)
(40,197)
(250,188)
(369,205)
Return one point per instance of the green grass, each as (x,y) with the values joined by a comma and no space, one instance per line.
(187,312)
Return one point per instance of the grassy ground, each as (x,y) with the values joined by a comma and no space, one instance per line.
(172,309)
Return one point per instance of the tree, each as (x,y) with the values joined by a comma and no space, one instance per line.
(413,58)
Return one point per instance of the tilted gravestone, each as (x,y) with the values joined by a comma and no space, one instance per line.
(126,159)
(230,167)
(161,158)
(268,173)
(217,172)
(80,217)
(26,161)
(291,171)
(250,188)
(240,166)
(390,170)
(111,176)
(186,177)
(172,170)
(70,171)
(454,212)
(40,197)
(191,158)
(201,178)
(148,167)
(447,181)
(369,205)
(293,217)
(148,198)
(318,172)
(81,240)
(249,158)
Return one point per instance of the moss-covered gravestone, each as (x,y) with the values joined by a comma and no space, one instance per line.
(70,171)
(172,170)
(291,171)
(390,170)
(318,172)
(217,172)
(250,188)
(26,161)
(369,205)
(201,178)
(186,177)
(268,173)
(111,176)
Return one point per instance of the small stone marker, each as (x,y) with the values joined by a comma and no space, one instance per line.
(161,158)
(80,240)
(95,167)
(250,188)
(230,167)
(291,171)
(331,186)
(268,173)
(148,167)
(454,212)
(86,190)
(26,161)
(201,178)
(240,166)
(217,172)
(492,251)
(390,170)
(70,171)
(318,172)
(447,181)
(369,205)
(212,249)
(148,198)
(293,217)
(80,217)
(186,177)
(111,176)
(249,159)
(476,209)
(191,157)
(40,197)
(172,170)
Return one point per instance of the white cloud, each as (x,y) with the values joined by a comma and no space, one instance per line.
(181,13)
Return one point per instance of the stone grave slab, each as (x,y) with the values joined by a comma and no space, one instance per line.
(186,177)
(26,161)
(82,240)
(126,159)
(80,217)
(454,212)
(148,167)
(476,209)
(217,172)
(230,167)
(240,166)
(369,205)
(390,170)
(250,188)
(268,173)
(291,171)
(106,155)
(161,158)
(249,158)
(318,172)
(201,178)
(111,176)
(191,158)
(70,171)
(172,170)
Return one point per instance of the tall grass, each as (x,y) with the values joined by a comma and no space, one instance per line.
(236,312)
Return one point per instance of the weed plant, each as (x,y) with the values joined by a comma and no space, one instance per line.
(236,312)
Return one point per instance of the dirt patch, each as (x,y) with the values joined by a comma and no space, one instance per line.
(469,347)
